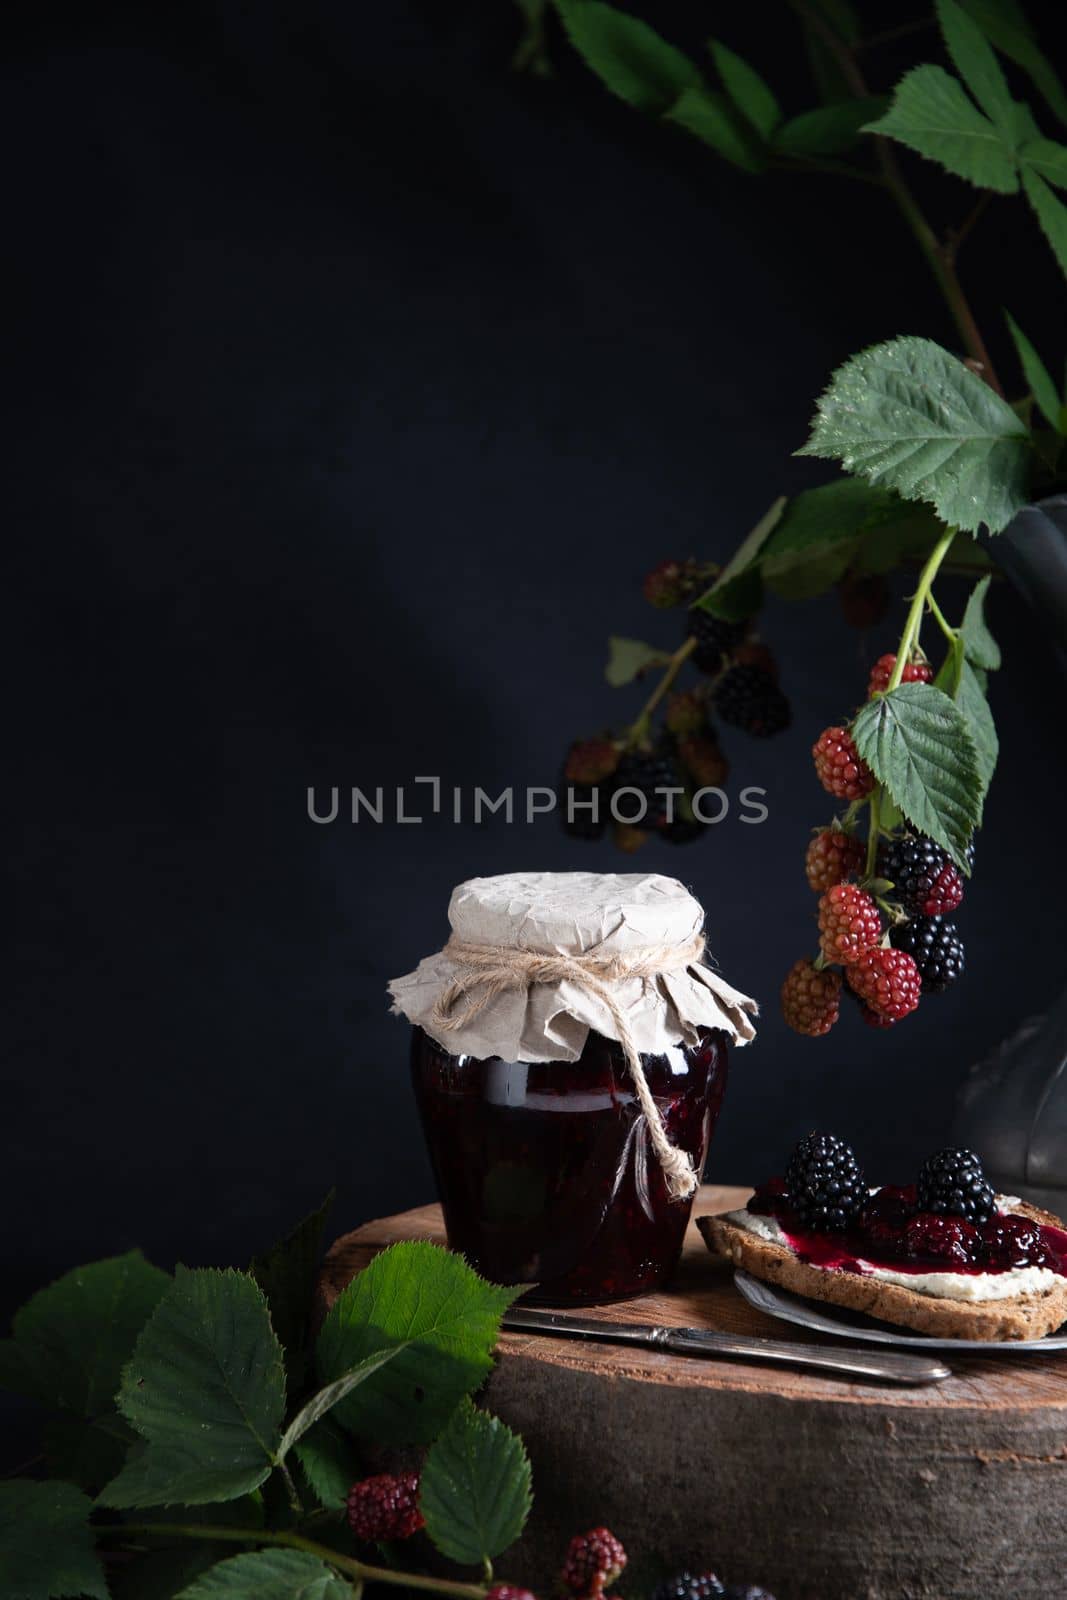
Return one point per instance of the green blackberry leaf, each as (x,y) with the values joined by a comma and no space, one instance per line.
(971,699)
(932,115)
(1037,376)
(205,1388)
(628,658)
(979,645)
(269,1575)
(1004,24)
(330,1396)
(735,594)
(72,1339)
(629,57)
(286,1274)
(918,743)
(829,130)
(712,118)
(475,1487)
(1050,211)
(86,1453)
(1047,159)
(46,1544)
(976,64)
(448,1318)
(330,1463)
(951,670)
(750,93)
(909,416)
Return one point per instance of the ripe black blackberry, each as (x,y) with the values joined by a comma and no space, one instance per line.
(936,948)
(646,771)
(953,1184)
(925,880)
(690,1586)
(748,698)
(715,638)
(825,1183)
(581,824)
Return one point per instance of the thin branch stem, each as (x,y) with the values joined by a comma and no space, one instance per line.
(639,727)
(919,601)
(873,823)
(359,1570)
(940,258)
(939,618)
(891,35)
(973,217)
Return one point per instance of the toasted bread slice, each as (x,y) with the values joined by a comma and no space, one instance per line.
(1024,1316)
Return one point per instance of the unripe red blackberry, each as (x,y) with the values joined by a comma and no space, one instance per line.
(833,856)
(882,671)
(686,712)
(838,765)
(887,981)
(811,998)
(385,1507)
(667,584)
(704,761)
(849,923)
(593,1560)
(508,1591)
(590,761)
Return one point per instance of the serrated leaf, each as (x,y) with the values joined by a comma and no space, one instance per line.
(1004,25)
(330,1462)
(331,1395)
(979,645)
(736,590)
(474,1491)
(269,1575)
(829,130)
(971,699)
(712,118)
(830,514)
(46,1544)
(910,535)
(1050,211)
(932,115)
(1046,158)
(205,1388)
(908,415)
(422,1296)
(286,1274)
(72,1339)
(750,93)
(627,658)
(165,1569)
(918,743)
(976,64)
(629,57)
(1037,376)
(814,570)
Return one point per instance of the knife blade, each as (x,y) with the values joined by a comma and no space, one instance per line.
(887,1366)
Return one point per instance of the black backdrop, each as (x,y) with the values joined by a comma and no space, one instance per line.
(356,384)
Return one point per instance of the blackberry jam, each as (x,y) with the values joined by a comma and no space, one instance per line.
(544,1169)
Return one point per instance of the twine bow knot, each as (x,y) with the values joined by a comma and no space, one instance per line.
(485,971)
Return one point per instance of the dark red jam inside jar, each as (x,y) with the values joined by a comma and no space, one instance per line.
(545,1171)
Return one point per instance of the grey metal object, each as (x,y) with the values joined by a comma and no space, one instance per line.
(879,1364)
(1013,1105)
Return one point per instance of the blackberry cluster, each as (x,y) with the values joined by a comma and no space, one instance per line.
(690,1586)
(825,1183)
(594,1560)
(647,772)
(953,1184)
(748,697)
(715,638)
(385,1507)
(936,948)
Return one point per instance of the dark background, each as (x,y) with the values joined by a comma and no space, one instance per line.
(356,383)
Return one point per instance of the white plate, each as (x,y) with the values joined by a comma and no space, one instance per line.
(824,1318)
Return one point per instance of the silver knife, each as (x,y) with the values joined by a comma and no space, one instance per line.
(892,1367)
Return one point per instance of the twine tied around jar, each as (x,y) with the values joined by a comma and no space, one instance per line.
(486,971)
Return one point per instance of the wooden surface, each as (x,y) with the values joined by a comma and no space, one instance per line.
(817,1486)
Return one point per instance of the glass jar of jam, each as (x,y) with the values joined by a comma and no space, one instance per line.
(544,1168)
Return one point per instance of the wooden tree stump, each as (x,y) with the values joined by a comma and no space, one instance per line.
(821,1489)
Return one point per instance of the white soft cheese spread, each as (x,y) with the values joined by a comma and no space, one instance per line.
(945,1285)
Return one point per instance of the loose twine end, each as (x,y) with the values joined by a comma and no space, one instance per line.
(485,971)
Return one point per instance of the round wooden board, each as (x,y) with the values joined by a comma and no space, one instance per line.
(820,1488)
